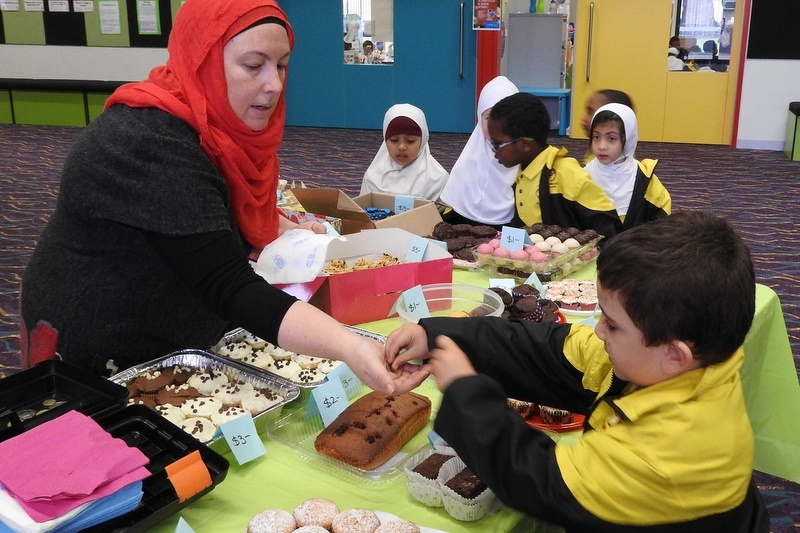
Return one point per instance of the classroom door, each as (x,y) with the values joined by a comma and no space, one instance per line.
(434,67)
(622,45)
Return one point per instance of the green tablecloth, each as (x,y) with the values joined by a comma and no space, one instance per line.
(285,477)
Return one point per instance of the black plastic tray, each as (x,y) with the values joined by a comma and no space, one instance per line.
(50,389)
(159,439)
(163,443)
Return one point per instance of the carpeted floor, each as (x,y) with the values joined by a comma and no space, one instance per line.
(758,191)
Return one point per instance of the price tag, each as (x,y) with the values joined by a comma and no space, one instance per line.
(331,400)
(503,283)
(417,249)
(436,440)
(534,281)
(330,230)
(590,321)
(414,303)
(514,239)
(440,244)
(183,526)
(345,376)
(403,204)
(243,438)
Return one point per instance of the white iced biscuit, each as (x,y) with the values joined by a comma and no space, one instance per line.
(231,393)
(202,429)
(224,414)
(204,406)
(259,401)
(259,359)
(236,350)
(306,361)
(171,413)
(279,353)
(286,368)
(206,382)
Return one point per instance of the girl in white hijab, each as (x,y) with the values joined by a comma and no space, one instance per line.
(403,164)
(480,190)
(632,185)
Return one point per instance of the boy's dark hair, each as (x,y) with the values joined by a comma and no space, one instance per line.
(685,277)
(608,116)
(522,115)
(617,97)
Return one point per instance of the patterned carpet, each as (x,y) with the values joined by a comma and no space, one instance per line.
(758,191)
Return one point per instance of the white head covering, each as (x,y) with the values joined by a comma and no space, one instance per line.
(617,178)
(424,177)
(480,188)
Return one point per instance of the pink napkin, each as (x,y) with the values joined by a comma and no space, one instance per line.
(63,463)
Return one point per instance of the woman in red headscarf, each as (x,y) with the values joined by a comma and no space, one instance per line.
(162,199)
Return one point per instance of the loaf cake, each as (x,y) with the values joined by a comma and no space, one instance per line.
(374,428)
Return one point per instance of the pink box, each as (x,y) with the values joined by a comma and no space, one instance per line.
(367,295)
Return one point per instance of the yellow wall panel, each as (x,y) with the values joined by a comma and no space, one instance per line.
(696,107)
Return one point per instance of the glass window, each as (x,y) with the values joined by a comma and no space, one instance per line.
(368,29)
(705,28)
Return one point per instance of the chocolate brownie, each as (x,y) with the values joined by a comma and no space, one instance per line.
(467,484)
(430,467)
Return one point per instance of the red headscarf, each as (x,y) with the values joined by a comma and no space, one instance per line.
(192,87)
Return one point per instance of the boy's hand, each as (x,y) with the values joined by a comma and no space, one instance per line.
(449,362)
(406,343)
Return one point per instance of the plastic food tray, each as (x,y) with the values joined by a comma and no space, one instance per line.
(547,266)
(50,389)
(163,443)
(553,269)
(305,388)
(201,359)
(299,429)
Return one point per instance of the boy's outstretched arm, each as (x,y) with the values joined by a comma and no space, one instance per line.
(449,362)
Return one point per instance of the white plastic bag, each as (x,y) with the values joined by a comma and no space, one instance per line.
(297,256)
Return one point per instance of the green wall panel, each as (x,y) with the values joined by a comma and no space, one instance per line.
(49,108)
(5,108)
(95,103)
(23,27)
(95,38)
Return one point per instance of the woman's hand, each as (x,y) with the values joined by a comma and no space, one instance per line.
(313,225)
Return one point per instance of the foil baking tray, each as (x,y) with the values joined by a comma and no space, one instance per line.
(238,334)
(204,360)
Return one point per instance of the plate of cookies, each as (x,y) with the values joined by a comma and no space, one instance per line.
(198,391)
(574,297)
(321,514)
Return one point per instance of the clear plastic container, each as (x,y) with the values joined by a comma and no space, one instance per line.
(455,300)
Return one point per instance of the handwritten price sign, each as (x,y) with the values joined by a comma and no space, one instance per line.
(331,400)
(242,437)
(514,239)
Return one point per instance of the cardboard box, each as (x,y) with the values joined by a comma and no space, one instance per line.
(367,295)
(333,202)
(419,221)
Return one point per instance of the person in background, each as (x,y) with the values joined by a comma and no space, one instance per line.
(550,187)
(637,193)
(675,42)
(368,55)
(667,444)
(162,199)
(480,190)
(673,63)
(599,99)
(404,164)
